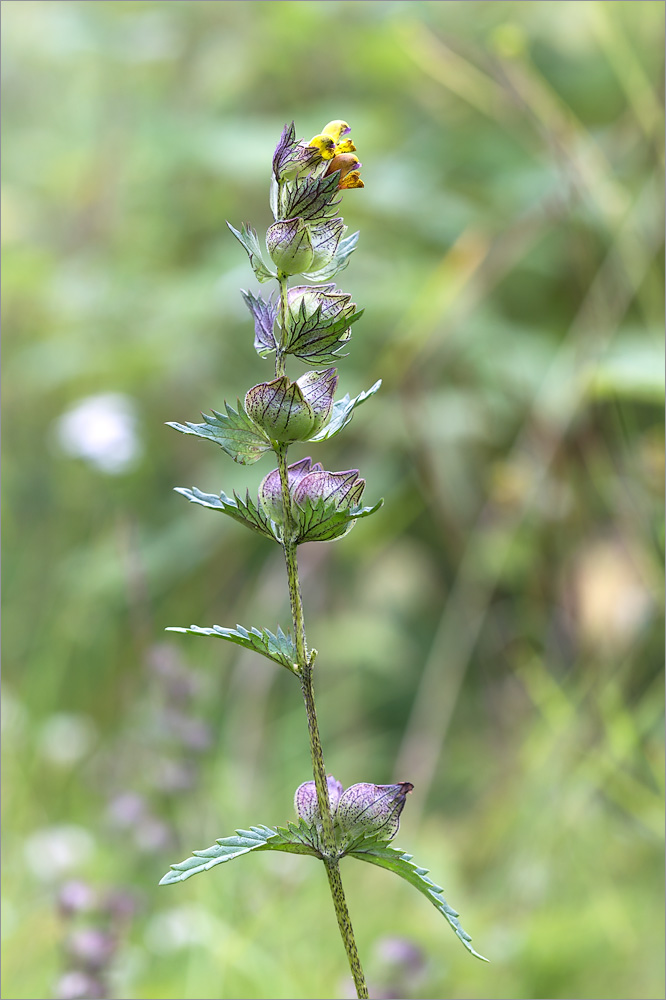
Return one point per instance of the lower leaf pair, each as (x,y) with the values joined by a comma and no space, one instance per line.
(367,818)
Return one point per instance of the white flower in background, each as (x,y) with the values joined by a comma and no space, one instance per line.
(101,430)
(183,927)
(66,738)
(55,851)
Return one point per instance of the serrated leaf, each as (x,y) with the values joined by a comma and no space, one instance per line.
(321,521)
(378,852)
(342,413)
(258,838)
(234,431)
(339,262)
(277,647)
(247,237)
(311,198)
(245,511)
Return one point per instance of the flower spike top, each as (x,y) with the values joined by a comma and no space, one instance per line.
(340,154)
(329,141)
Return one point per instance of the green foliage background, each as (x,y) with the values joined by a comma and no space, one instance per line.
(492,634)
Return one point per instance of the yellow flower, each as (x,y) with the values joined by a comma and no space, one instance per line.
(336,129)
(328,141)
(349,167)
(324,144)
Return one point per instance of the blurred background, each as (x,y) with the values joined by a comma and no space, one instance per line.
(493,634)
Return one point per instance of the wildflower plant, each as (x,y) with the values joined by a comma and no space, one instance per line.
(303,502)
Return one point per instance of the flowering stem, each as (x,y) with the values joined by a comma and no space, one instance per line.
(305,663)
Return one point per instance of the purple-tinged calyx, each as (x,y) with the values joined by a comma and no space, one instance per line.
(270,489)
(292,158)
(297,246)
(305,799)
(373,810)
(290,246)
(344,489)
(305,300)
(292,411)
(362,809)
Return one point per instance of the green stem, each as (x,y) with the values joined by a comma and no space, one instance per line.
(305,662)
(280,367)
(318,767)
(346,929)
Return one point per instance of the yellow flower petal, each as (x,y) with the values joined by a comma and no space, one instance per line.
(325,145)
(335,129)
(351,180)
(346,146)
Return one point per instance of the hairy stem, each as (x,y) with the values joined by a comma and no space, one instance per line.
(280,367)
(346,929)
(305,662)
(303,659)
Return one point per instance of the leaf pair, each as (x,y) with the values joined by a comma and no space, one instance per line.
(242,439)
(320,521)
(320,235)
(302,839)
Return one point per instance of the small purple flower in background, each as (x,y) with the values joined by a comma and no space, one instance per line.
(75,896)
(95,923)
(90,947)
(78,985)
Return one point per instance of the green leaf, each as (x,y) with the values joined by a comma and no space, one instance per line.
(321,521)
(292,840)
(342,413)
(377,852)
(279,648)
(247,237)
(245,511)
(339,262)
(234,431)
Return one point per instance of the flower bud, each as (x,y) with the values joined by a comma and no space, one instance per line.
(305,799)
(270,489)
(349,167)
(292,411)
(290,246)
(372,809)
